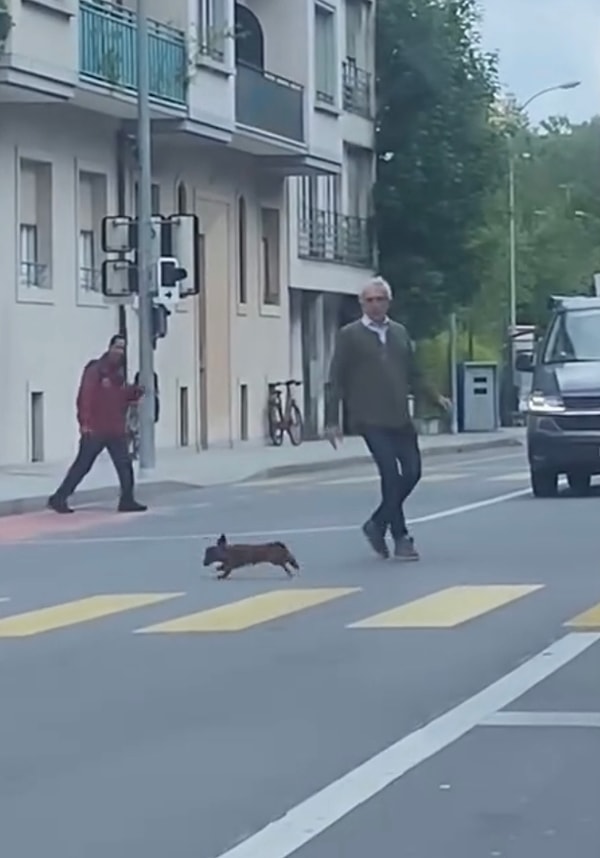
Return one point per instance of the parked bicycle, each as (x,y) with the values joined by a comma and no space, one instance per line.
(284,417)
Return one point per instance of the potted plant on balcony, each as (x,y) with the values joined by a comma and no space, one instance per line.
(6,23)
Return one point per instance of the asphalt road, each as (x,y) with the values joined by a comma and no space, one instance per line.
(331,715)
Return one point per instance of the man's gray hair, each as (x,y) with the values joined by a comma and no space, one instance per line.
(379,282)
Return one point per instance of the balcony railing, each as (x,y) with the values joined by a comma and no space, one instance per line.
(356,89)
(331,237)
(270,103)
(108,52)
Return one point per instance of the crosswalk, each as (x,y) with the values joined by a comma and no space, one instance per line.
(448,608)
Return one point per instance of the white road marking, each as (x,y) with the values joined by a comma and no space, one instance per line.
(542,719)
(294,531)
(311,817)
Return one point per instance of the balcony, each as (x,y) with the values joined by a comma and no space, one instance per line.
(356,84)
(270,103)
(108,52)
(326,236)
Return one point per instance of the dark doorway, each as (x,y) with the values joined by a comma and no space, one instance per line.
(249,39)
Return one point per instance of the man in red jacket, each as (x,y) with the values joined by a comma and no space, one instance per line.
(102,403)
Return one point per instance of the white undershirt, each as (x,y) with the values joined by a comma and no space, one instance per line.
(379,328)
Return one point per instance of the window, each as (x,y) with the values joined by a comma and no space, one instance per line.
(242,271)
(319,193)
(270,256)
(31,270)
(356,75)
(88,274)
(35,226)
(574,338)
(243,412)
(325,56)
(308,192)
(212,29)
(359,181)
(92,208)
(356,32)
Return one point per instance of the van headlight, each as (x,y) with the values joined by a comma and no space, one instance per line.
(540,403)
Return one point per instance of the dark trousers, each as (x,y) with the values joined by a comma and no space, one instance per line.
(90,447)
(388,448)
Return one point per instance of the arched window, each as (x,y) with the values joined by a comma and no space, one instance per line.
(182,199)
(250,41)
(241,242)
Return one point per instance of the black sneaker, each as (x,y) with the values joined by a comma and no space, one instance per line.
(404,549)
(131,506)
(376,539)
(58,505)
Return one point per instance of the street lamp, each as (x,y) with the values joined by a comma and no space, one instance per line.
(511,201)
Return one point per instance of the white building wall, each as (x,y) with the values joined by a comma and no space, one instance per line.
(48,335)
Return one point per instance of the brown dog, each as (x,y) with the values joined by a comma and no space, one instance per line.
(234,556)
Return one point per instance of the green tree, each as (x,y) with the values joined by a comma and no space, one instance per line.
(558,223)
(437,154)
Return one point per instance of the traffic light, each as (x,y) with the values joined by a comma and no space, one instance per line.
(160,315)
(169,276)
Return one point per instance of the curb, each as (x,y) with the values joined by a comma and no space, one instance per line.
(365,459)
(20,506)
(151,490)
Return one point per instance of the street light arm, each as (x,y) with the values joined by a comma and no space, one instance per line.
(555,88)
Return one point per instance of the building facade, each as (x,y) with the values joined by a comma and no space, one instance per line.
(270,146)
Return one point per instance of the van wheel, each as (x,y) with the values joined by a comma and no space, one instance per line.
(579,483)
(544,483)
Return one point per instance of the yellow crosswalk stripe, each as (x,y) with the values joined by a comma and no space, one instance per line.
(74,613)
(589,619)
(246,613)
(446,608)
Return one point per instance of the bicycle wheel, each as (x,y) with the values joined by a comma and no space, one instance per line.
(275,424)
(295,428)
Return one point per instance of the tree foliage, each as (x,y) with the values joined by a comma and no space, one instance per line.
(558,223)
(437,154)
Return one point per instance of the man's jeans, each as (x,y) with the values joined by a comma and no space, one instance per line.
(388,448)
(90,447)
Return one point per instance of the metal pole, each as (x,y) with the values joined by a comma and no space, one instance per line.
(453,378)
(512,238)
(145,280)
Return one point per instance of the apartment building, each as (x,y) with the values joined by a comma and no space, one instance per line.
(270,145)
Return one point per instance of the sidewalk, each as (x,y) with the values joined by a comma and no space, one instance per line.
(26,488)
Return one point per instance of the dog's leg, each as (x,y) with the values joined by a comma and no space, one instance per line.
(289,573)
(225,571)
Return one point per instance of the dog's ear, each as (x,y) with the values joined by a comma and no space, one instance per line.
(222,540)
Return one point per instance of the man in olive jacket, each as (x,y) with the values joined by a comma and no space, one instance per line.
(374,370)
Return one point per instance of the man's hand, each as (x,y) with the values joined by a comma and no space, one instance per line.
(334,436)
(445,403)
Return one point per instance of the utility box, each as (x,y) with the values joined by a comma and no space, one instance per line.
(478,397)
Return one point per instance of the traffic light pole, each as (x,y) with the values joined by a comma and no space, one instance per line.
(147,453)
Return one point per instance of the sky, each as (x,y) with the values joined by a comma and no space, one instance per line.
(546,42)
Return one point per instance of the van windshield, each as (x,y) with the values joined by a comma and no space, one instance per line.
(574,337)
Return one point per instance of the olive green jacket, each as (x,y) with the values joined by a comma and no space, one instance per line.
(374,379)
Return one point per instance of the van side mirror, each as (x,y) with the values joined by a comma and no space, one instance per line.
(524,362)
